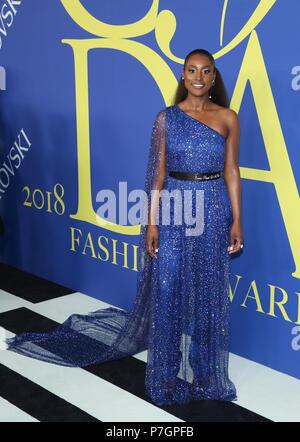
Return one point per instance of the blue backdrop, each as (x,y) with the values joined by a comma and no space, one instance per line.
(81,83)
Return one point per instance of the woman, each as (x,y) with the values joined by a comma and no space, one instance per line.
(196,144)
(181,311)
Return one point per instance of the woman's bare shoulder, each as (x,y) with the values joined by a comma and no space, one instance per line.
(231,117)
(228,118)
(228,115)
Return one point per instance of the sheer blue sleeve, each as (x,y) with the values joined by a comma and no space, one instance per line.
(109,333)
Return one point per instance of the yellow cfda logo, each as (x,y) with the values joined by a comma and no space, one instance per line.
(252,69)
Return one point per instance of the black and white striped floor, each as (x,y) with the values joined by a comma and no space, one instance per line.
(32,390)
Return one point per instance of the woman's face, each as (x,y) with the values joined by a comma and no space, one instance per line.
(198,75)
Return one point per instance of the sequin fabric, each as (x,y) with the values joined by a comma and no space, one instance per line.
(181,312)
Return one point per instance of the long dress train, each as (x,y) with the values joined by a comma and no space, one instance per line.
(181,310)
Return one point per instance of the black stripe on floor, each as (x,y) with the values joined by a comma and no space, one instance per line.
(37,401)
(24,320)
(28,286)
(129,374)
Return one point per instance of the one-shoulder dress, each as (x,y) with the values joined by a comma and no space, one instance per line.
(181,311)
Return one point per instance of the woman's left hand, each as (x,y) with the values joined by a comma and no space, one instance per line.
(236,238)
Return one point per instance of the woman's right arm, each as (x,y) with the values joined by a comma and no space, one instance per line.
(159,174)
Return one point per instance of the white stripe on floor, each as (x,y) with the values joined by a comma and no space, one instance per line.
(267,392)
(11,302)
(11,413)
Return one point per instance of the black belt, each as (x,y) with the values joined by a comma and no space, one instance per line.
(196,175)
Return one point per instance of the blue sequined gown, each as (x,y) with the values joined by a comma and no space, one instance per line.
(182,306)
